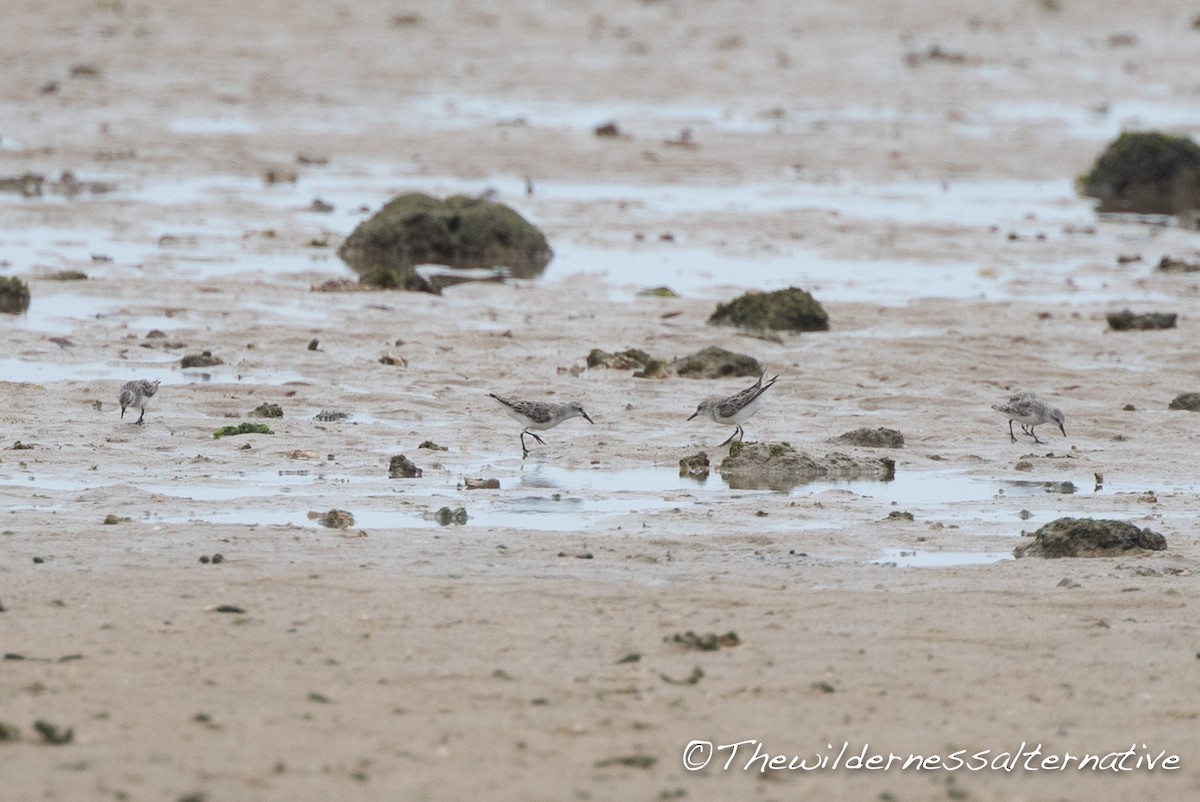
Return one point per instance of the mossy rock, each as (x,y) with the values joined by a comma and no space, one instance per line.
(401,467)
(14,295)
(459,232)
(658,292)
(655,369)
(1146,172)
(335,519)
(201,360)
(715,363)
(778,466)
(1188,401)
(1172,264)
(446,516)
(1126,320)
(872,438)
(266,410)
(1088,537)
(792,309)
(695,466)
(629,359)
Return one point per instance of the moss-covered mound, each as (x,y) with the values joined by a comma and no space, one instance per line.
(1126,320)
(872,438)
(1146,172)
(14,295)
(459,232)
(714,363)
(1087,537)
(1172,264)
(778,466)
(791,310)
(695,466)
(1188,401)
(401,467)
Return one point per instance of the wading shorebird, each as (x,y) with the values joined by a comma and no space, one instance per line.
(540,415)
(138,393)
(735,409)
(1030,410)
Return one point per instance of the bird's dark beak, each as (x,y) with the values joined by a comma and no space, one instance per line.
(1062,429)
(586,418)
(694,414)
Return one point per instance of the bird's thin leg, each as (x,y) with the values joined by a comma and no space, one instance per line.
(524,450)
(1025,428)
(1010,431)
(730,440)
(141,421)
(1035,437)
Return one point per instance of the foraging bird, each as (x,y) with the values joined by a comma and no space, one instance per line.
(1030,410)
(137,393)
(540,415)
(735,409)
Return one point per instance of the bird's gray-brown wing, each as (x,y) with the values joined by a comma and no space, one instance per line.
(730,406)
(127,394)
(536,411)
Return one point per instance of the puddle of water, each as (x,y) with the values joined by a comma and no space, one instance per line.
(901,558)
(20,370)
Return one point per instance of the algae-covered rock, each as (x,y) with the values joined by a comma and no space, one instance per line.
(658,292)
(1146,172)
(714,363)
(335,519)
(204,359)
(644,365)
(872,438)
(1088,537)
(1188,401)
(629,359)
(778,466)
(459,232)
(401,467)
(446,516)
(1126,320)
(266,410)
(792,309)
(1172,264)
(14,295)
(695,466)
(655,369)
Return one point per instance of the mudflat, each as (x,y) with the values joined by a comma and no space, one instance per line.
(598,626)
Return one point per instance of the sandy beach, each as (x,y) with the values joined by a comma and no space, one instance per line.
(913,168)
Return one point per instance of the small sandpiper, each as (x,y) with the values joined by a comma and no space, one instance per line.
(735,409)
(540,415)
(1030,410)
(138,393)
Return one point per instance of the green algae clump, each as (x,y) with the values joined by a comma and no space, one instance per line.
(459,232)
(242,428)
(792,309)
(1146,172)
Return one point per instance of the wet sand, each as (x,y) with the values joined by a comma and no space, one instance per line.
(913,169)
